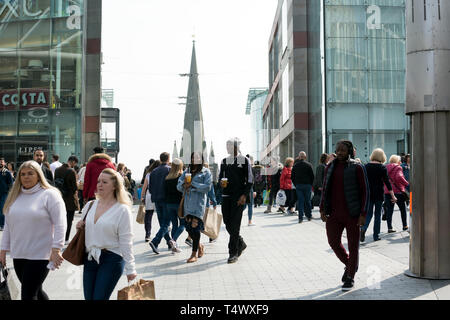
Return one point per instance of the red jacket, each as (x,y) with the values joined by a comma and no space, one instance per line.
(96,164)
(396,177)
(285,179)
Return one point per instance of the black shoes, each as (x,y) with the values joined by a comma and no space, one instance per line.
(233,259)
(244,246)
(362,235)
(188,242)
(348,284)
(344,276)
(300,220)
(152,245)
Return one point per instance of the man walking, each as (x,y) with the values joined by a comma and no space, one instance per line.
(66,182)
(55,164)
(302,177)
(39,157)
(156,188)
(6,181)
(344,206)
(236,181)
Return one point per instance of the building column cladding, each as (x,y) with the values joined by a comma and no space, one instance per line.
(91,96)
(428,103)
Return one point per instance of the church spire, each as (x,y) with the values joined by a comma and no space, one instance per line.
(175,150)
(193,133)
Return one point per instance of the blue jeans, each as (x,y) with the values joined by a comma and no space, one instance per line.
(99,280)
(377,221)
(161,208)
(303,200)
(250,205)
(3,197)
(172,217)
(165,218)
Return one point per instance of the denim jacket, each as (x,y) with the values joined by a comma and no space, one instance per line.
(195,198)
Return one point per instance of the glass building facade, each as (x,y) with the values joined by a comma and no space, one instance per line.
(41,57)
(255,104)
(365,63)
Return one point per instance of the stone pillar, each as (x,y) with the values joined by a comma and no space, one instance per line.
(91,90)
(428,103)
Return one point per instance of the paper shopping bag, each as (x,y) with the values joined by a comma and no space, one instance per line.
(212,222)
(141,290)
(140,218)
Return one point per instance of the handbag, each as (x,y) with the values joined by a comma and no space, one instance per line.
(212,221)
(281,197)
(140,218)
(181,207)
(316,198)
(141,290)
(8,290)
(74,253)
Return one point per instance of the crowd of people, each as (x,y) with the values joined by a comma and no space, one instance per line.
(38,205)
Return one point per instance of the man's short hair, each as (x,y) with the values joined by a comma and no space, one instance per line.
(164,157)
(73,158)
(55,157)
(99,150)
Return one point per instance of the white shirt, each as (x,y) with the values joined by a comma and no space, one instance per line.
(149,205)
(35,223)
(112,231)
(55,165)
(81,175)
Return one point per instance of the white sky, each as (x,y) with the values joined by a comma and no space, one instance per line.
(147,43)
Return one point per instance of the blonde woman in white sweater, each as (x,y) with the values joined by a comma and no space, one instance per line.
(34,230)
(109,237)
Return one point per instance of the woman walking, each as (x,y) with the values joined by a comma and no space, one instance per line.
(377,175)
(274,172)
(34,231)
(196,183)
(146,198)
(399,184)
(109,237)
(286,185)
(173,199)
(318,179)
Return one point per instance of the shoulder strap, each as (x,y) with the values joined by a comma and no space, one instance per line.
(90,206)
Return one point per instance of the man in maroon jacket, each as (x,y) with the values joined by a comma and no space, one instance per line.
(344,206)
(96,164)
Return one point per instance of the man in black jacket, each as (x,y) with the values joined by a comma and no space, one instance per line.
(6,181)
(237,171)
(66,182)
(39,157)
(302,177)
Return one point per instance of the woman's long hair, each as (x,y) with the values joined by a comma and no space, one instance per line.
(17,186)
(120,193)
(176,169)
(153,166)
(197,167)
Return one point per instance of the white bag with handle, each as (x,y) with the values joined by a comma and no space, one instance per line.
(281,198)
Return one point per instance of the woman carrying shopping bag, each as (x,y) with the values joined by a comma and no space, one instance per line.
(35,229)
(196,183)
(109,237)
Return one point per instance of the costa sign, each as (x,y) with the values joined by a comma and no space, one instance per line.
(26,98)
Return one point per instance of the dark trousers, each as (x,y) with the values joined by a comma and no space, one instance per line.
(148,222)
(80,199)
(195,236)
(3,197)
(390,208)
(290,199)
(377,214)
(161,209)
(335,226)
(303,200)
(31,274)
(272,196)
(99,280)
(69,216)
(232,217)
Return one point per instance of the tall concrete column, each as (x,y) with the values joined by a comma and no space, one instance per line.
(428,103)
(91,90)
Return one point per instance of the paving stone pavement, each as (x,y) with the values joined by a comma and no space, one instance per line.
(284,260)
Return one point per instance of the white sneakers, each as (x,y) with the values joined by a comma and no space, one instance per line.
(175,248)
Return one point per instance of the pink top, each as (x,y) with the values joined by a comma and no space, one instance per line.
(398,181)
(34,224)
